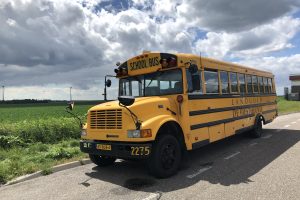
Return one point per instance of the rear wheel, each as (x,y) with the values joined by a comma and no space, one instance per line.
(102,161)
(257,130)
(165,157)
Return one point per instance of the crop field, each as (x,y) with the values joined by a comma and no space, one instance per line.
(37,136)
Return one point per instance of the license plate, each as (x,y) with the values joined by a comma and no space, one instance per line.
(105,147)
(140,151)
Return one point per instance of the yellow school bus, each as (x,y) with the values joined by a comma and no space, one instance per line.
(172,103)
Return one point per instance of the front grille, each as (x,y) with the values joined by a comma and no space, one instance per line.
(106,119)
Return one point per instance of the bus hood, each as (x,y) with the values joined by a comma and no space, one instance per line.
(142,107)
(145,108)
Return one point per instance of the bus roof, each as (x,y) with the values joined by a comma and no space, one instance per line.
(148,62)
(224,63)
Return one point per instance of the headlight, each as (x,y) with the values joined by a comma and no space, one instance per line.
(139,133)
(83,132)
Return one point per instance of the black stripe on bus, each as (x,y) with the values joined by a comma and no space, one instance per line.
(242,130)
(199,144)
(269,111)
(197,126)
(218,96)
(201,112)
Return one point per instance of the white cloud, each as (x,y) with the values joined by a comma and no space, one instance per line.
(281,67)
(257,41)
(54,43)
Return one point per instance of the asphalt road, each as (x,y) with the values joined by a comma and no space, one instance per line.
(235,168)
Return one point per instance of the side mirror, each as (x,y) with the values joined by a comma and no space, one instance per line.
(108,83)
(193,68)
(196,81)
(126,100)
(71,105)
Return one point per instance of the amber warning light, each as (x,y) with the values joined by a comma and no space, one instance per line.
(122,69)
(168,62)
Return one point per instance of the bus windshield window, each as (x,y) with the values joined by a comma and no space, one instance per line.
(153,84)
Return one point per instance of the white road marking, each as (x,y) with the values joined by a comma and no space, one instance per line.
(287,126)
(252,144)
(232,155)
(267,136)
(278,130)
(153,196)
(199,172)
(293,122)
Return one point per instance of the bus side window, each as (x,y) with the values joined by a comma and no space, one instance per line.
(270,85)
(224,82)
(194,82)
(266,85)
(211,82)
(273,85)
(255,85)
(249,84)
(242,83)
(234,82)
(261,85)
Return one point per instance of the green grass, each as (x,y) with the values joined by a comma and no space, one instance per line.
(33,112)
(37,137)
(18,161)
(285,106)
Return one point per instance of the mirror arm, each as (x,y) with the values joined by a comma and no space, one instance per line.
(135,119)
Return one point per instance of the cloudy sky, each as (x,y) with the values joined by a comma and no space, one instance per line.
(47,46)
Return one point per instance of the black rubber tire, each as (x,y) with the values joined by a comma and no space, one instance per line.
(102,161)
(257,130)
(166,156)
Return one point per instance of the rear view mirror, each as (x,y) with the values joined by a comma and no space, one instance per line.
(196,81)
(193,68)
(108,83)
(126,100)
(71,105)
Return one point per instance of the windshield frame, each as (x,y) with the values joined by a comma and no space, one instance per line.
(144,82)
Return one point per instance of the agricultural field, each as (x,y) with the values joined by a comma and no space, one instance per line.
(37,136)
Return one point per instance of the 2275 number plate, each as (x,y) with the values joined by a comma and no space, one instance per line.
(140,151)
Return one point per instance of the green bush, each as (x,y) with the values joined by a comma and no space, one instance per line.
(4,173)
(58,153)
(38,147)
(9,141)
(46,131)
(35,138)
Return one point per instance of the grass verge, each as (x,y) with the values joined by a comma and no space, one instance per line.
(17,161)
(285,107)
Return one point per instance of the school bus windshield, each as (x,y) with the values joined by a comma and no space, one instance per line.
(152,84)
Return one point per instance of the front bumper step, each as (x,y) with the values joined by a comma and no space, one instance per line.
(116,149)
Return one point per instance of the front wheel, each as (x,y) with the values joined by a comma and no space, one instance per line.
(165,157)
(102,161)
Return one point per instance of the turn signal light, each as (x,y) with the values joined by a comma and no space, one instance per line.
(146,133)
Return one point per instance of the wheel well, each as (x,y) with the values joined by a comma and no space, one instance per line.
(260,116)
(172,128)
